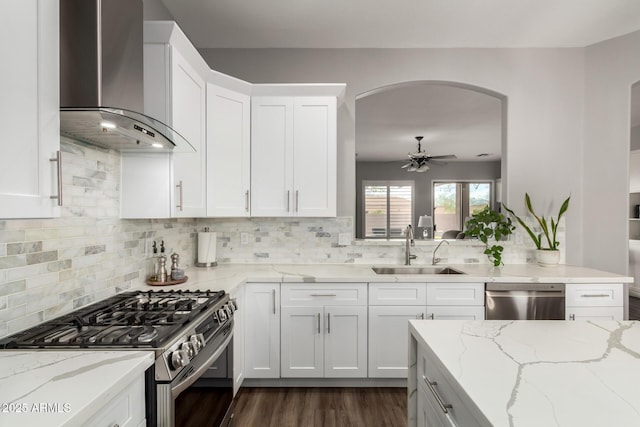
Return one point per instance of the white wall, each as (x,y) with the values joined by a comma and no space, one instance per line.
(611,68)
(545,96)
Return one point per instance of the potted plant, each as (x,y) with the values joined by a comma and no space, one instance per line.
(547,253)
(487,224)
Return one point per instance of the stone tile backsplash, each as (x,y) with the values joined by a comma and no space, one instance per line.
(49,267)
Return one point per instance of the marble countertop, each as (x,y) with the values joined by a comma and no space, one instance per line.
(542,373)
(52,388)
(227,276)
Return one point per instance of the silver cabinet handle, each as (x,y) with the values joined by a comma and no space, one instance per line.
(288,200)
(328,323)
(594,295)
(273,293)
(297,199)
(420,316)
(323,295)
(572,317)
(318,322)
(179,205)
(246,201)
(58,160)
(432,386)
(432,316)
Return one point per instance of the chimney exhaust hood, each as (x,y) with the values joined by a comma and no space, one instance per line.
(101,78)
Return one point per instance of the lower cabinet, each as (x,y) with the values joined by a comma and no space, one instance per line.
(238,337)
(127,409)
(262,330)
(429,412)
(594,301)
(320,339)
(392,305)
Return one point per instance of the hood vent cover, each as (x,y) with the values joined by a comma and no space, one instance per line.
(101,64)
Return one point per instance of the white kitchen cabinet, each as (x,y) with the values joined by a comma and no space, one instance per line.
(262,330)
(429,412)
(594,301)
(634,171)
(126,409)
(238,337)
(324,330)
(293,156)
(388,326)
(30,110)
(175,94)
(392,305)
(228,152)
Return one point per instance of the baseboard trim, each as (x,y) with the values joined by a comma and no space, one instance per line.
(325,382)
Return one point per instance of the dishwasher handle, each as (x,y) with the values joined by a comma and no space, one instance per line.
(526,287)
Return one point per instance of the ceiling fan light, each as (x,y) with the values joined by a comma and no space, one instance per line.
(423,168)
(411,169)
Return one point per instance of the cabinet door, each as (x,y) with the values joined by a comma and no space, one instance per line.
(29,109)
(262,330)
(594,313)
(389,339)
(139,173)
(345,342)
(228,152)
(188,118)
(314,160)
(302,342)
(238,337)
(271,156)
(429,412)
(463,312)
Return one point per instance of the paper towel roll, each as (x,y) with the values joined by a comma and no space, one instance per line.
(207,248)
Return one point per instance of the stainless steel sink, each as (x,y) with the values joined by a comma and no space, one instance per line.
(416,270)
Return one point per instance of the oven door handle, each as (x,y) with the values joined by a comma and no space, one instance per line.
(183,385)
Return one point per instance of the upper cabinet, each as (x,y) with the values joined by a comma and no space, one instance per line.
(30,184)
(293,156)
(228,152)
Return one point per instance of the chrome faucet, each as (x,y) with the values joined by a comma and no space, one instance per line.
(435,260)
(408,242)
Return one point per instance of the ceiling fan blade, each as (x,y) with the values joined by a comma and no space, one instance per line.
(446,156)
(405,165)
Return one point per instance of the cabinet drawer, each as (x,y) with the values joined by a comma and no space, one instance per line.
(455,293)
(321,294)
(594,295)
(397,294)
(441,386)
(594,313)
(125,410)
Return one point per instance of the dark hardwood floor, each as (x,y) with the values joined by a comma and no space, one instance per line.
(634,308)
(321,407)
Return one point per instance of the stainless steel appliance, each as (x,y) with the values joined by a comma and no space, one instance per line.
(189,331)
(525,301)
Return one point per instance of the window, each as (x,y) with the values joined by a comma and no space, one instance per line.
(454,201)
(388,208)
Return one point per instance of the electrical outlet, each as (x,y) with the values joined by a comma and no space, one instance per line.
(244,238)
(344,239)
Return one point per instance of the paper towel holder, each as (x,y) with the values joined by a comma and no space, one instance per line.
(207,263)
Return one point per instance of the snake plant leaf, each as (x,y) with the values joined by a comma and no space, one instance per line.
(536,240)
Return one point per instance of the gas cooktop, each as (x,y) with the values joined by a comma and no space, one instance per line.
(128,320)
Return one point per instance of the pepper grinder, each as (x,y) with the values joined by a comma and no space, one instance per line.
(176,272)
(162,264)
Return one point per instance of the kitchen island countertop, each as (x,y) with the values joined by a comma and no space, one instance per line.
(55,388)
(540,373)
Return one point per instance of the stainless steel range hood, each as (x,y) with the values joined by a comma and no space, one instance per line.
(101,78)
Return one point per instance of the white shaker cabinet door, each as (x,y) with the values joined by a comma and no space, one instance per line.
(228,152)
(262,330)
(314,159)
(30,110)
(271,156)
(345,342)
(302,342)
(188,118)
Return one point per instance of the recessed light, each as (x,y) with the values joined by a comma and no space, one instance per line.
(157,145)
(108,125)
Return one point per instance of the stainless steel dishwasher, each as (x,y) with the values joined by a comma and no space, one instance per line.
(524,301)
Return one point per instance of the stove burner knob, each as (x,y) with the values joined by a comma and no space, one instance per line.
(233,304)
(222,315)
(197,341)
(179,359)
(227,309)
(188,348)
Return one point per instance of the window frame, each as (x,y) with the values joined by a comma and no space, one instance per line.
(388,183)
(464,198)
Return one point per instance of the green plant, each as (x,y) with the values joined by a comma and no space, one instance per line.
(487,224)
(549,232)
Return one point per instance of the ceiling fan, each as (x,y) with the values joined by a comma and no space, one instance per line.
(418,160)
